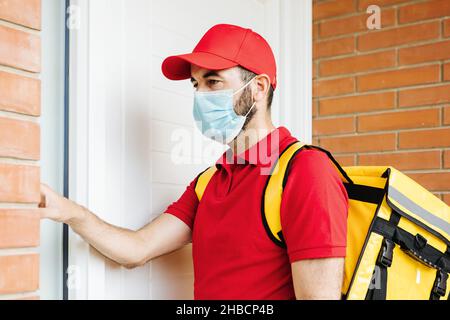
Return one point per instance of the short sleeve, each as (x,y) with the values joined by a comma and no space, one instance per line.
(314,208)
(185,207)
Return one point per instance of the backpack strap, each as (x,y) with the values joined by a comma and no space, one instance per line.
(272,194)
(203,180)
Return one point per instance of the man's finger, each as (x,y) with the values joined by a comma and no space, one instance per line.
(43,201)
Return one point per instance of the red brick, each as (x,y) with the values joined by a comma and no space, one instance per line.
(446,198)
(324,88)
(435,181)
(315,141)
(332,8)
(363,103)
(424,53)
(315,108)
(345,161)
(19,228)
(399,120)
(19,273)
(20,49)
(315,30)
(353,24)
(333,47)
(364,4)
(359,143)
(314,70)
(425,138)
(424,10)
(446,28)
(447,71)
(20,94)
(19,183)
(333,126)
(19,139)
(399,78)
(358,63)
(404,160)
(398,36)
(447,159)
(23,12)
(446,119)
(424,96)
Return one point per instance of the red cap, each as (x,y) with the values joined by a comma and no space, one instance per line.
(225,46)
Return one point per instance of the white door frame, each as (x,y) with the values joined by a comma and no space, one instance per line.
(287,21)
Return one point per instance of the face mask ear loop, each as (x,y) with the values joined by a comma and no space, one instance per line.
(245,86)
(254,104)
(243,89)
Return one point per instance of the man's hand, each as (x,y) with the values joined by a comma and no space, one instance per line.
(318,279)
(58,208)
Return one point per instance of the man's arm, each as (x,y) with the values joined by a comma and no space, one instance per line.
(318,279)
(129,248)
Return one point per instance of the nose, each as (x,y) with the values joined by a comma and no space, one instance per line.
(202,87)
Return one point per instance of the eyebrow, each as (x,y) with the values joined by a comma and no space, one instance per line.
(208,74)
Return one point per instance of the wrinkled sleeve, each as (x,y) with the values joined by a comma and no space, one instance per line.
(185,208)
(314,208)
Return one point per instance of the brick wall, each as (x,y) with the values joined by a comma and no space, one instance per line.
(20,96)
(382,97)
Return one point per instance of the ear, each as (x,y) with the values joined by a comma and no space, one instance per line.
(262,83)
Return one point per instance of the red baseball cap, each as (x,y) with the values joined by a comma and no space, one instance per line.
(225,46)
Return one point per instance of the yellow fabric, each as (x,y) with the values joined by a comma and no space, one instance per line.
(274,190)
(408,279)
(363,275)
(421,197)
(360,216)
(203,181)
(359,219)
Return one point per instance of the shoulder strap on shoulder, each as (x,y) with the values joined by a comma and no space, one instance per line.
(272,195)
(203,180)
(271,199)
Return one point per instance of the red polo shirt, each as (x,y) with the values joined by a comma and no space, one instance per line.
(233,256)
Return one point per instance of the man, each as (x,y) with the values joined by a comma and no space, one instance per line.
(233,72)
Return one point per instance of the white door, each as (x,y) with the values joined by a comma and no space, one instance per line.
(126,118)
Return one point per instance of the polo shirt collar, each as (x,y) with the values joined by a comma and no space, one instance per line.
(263,153)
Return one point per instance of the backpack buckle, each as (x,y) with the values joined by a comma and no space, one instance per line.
(419,241)
(440,284)
(386,253)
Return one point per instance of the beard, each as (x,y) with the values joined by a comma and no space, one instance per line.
(244,104)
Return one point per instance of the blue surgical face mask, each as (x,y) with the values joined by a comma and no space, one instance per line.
(215,116)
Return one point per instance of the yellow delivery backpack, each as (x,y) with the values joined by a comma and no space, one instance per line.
(398,233)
